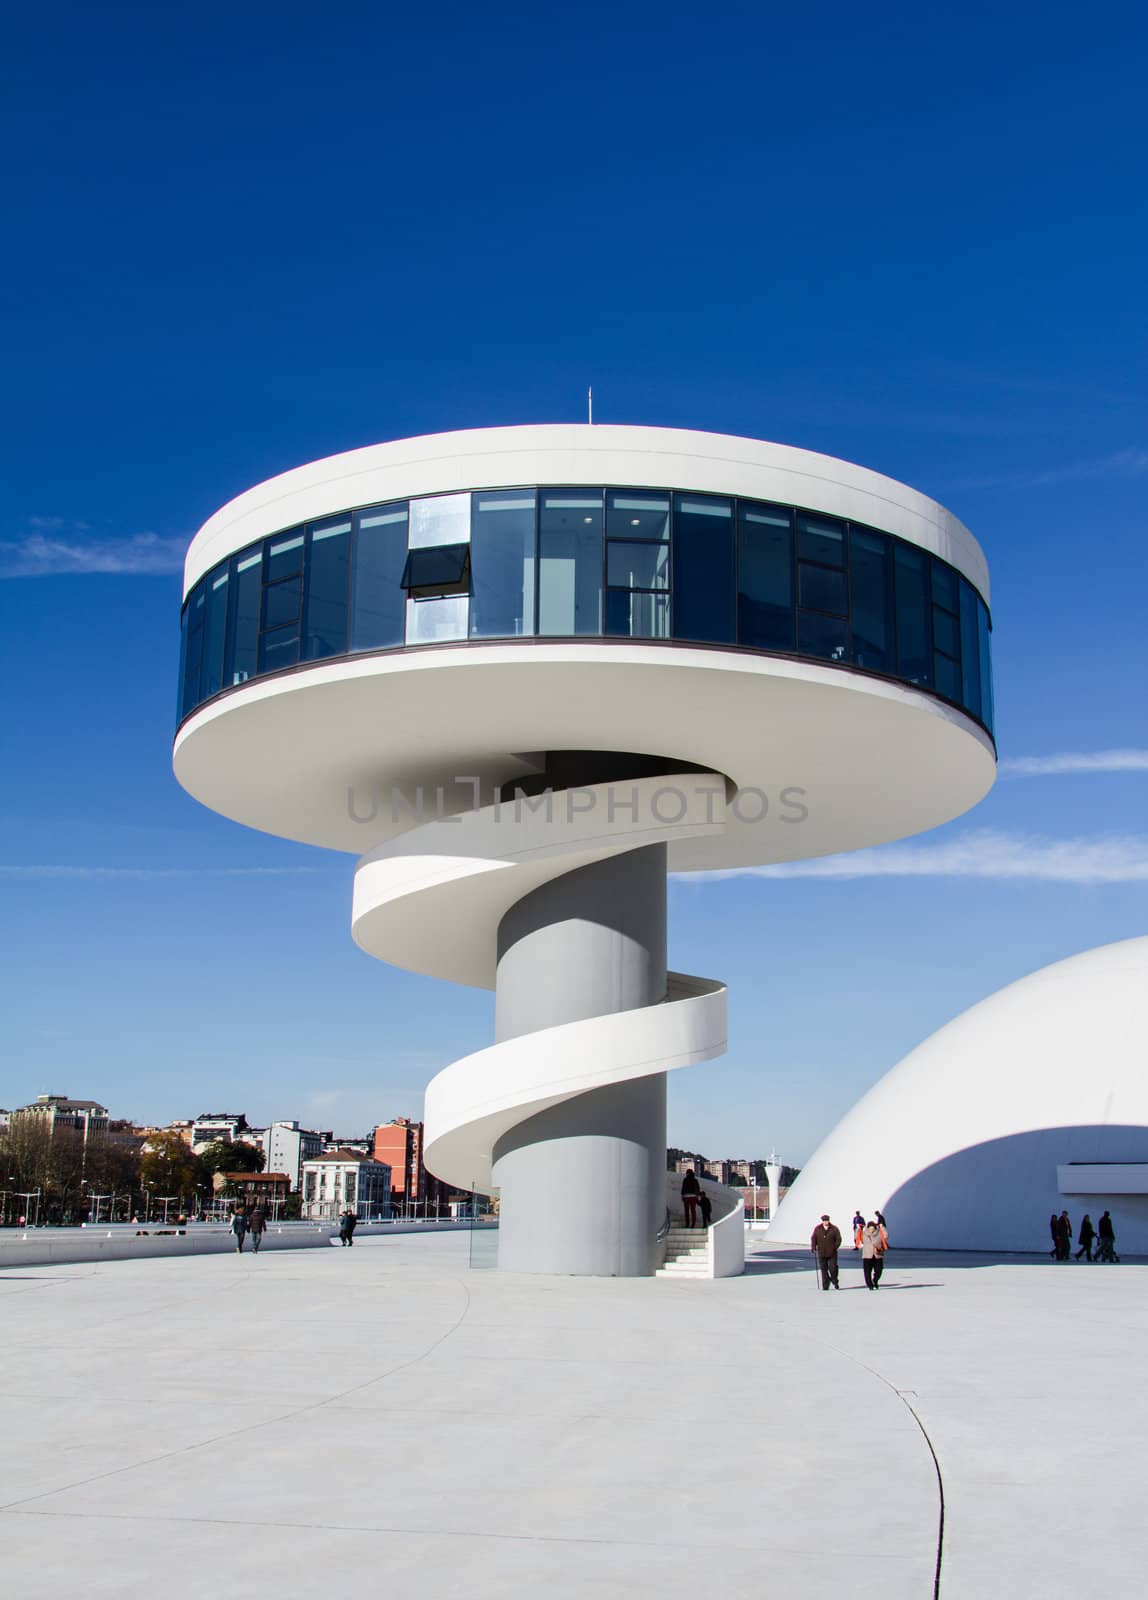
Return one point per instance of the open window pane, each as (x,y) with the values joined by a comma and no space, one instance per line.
(703,569)
(570,562)
(440,567)
(502,564)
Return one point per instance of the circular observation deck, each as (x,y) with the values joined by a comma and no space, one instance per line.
(440,612)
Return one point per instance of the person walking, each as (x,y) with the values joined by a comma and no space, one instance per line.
(347,1227)
(1064,1235)
(1087,1234)
(825,1242)
(872,1255)
(1054,1230)
(691,1188)
(239,1227)
(256,1226)
(858,1229)
(1106,1234)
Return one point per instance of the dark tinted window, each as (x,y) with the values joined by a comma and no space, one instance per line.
(765,577)
(819,635)
(637,566)
(970,651)
(328,588)
(285,555)
(914,645)
(946,633)
(440,567)
(820,539)
(703,569)
(214,634)
(948,677)
(871,594)
(281,602)
(378,601)
(243,624)
(279,648)
(821,589)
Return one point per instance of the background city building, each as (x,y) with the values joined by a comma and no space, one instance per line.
(57,1111)
(342,1179)
(286,1146)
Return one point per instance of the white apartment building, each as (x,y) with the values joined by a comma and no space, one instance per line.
(342,1180)
(287,1146)
(213,1125)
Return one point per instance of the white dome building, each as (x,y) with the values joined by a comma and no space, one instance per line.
(1033,1101)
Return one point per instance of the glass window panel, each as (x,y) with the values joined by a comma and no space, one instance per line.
(871,598)
(285,555)
(328,582)
(984,627)
(181,690)
(704,589)
(281,602)
(634,615)
(193,660)
(820,539)
(637,566)
(570,562)
(436,567)
(437,621)
(970,652)
(765,617)
(440,519)
(914,645)
(948,677)
(819,589)
(827,637)
(279,648)
(944,586)
(632,514)
(214,634)
(502,564)
(378,603)
(242,657)
(946,633)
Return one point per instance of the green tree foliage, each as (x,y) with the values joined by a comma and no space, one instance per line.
(170,1167)
(223,1156)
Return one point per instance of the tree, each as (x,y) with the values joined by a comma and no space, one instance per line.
(170,1167)
(224,1156)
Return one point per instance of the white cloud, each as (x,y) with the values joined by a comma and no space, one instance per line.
(984,853)
(49,553)
(1131,463)
(1075,761)
(143,874)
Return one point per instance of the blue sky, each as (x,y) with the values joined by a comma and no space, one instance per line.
(239,238)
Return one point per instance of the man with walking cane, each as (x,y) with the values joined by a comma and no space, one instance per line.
(825,1243)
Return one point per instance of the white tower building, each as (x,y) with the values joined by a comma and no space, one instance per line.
(520,672)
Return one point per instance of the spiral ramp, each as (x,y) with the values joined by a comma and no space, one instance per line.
(557,903)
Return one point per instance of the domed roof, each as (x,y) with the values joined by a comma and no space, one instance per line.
(960,1143)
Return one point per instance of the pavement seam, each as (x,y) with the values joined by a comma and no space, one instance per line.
(251,1427)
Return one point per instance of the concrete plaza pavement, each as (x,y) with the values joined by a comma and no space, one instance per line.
(322,1421)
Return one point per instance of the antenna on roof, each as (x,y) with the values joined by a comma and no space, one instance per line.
(590,406)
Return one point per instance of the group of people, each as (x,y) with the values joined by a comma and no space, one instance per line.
(254,1222)
(695,1199)
(870,1239)
(1103,1235)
